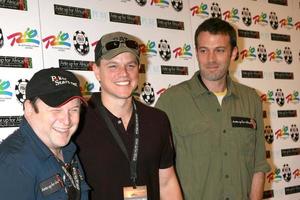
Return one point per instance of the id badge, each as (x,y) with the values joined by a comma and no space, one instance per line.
(138,193)
(51,185)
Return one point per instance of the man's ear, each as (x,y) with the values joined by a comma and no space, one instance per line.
(96,70)
(28,108)
(234,54)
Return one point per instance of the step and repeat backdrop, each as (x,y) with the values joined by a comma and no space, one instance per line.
(36,34)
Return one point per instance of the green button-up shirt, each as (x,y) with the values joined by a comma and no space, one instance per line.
(218,148)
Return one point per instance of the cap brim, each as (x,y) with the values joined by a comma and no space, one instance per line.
(58,99)
(82,99)
(113,53)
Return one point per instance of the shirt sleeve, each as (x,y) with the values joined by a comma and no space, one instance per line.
(15,183)
(167,158)
(261,164)
(163,103)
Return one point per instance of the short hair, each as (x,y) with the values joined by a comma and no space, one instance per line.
(32,101)
(217,26)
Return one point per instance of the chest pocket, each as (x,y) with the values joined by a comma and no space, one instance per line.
(244,129)
(194,136)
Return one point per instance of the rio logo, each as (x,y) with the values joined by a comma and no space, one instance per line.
(287,23)
(268,97)
(261,19)
(274,176)
(59,40)
(4,85)
(183,51)
(232,15)
(282,133)
(275,55)
(27,37)
(250,53)
(293,97)
(296,173)
(87,88)
(200,10)
(149,48)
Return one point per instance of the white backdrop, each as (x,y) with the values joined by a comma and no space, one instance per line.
(36,34)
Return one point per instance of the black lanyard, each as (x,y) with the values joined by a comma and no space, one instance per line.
(114,132)
(71,172)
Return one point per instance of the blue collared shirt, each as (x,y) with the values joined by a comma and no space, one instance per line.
(26,162)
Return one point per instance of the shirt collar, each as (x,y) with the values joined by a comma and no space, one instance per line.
(198,88)
(96,100)
(195,85)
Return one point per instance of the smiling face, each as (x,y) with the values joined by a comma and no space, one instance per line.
(214,54)
(118,76)
(54,126)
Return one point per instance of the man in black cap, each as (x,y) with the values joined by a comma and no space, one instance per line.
(37,161)
(125,146)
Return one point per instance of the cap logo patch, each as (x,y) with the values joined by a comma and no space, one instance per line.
(59,80)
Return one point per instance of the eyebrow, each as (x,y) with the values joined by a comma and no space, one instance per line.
(205,47)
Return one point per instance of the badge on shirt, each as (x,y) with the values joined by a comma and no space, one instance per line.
(243,122)
(51,185)
(138,193)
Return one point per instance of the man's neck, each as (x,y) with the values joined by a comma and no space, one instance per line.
(121,108)
(58,154)
(215,86)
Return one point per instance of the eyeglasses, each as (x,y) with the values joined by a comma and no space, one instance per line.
(116,44)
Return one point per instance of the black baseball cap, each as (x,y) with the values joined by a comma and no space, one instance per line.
(54,86)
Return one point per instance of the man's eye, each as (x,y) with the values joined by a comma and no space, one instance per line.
(112,66)
(55,110)
(221,50)
(131,66)
(202,50)
(75,110)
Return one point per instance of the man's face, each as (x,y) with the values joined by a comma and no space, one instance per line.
(54,126)
(214,54)
(118,76)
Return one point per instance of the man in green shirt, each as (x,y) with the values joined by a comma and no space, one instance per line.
(217,124)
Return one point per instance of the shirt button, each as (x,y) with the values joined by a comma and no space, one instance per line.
(225,154)
(224,131)
(227,198)
(119,121)
(226,176)
(218,109)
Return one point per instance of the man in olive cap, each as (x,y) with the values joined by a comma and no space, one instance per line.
(125,146)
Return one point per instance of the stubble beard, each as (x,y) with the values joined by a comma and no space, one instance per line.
(213,76)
